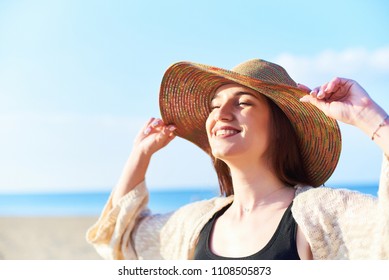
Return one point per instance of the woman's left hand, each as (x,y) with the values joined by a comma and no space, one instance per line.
(345,100)
(341,99)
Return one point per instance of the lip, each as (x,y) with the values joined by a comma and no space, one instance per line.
(225,131)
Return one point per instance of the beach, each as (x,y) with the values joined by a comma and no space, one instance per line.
(46,238)
(53,226)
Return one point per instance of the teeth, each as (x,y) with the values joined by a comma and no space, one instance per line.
(225,132)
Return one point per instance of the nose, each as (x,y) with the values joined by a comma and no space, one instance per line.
(224,112)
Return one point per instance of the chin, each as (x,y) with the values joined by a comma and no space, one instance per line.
(223,154)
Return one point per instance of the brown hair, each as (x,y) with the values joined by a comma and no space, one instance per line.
(283,153)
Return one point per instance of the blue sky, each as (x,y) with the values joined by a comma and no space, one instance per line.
(79,78)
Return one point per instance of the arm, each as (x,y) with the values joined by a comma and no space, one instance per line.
(112,234)
(153,137)
(346,101)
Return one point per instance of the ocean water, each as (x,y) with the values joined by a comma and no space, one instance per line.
(91,204)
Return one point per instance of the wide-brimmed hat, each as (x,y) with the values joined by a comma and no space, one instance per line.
(187,89)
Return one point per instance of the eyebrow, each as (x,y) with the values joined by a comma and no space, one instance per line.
(239,93)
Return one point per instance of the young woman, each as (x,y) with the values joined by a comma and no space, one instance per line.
(273,143)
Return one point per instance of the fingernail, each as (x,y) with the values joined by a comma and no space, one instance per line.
(147,131)
(172,128)
(313,93)
(304,99)
(155,123)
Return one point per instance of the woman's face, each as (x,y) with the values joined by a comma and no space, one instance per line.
(238,125)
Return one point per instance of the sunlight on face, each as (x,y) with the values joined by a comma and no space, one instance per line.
(237,126)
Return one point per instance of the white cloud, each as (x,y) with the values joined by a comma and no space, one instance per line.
(351,62)
(380,60)
(368,67)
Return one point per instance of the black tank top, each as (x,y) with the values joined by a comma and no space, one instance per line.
(282,245)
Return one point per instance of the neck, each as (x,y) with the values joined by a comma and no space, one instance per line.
(254,186)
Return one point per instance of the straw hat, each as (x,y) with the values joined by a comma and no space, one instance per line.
(187,89)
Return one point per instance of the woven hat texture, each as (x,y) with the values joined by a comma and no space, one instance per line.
(187,89)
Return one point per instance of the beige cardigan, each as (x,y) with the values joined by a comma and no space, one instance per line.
(338,224)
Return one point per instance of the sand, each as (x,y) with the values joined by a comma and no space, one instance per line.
(46,238)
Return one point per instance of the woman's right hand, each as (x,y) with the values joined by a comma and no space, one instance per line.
(154,136)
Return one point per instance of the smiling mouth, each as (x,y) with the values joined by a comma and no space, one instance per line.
(226,132)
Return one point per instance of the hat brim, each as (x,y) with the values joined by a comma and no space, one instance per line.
(186,92)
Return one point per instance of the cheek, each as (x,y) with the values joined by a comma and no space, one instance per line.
(264,131)
(260,127)
(208,124)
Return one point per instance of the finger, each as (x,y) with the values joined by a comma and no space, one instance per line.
(171,129)
(304,88)
(314,92)
(328,89)
(152,124)
(157,122)
(146,130)
(333,85)
(165,135)
(339,88)
(171,134)
(168,131)
(322,94)
(338,83)
(320,104)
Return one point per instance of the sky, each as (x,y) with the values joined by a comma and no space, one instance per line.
(78,79)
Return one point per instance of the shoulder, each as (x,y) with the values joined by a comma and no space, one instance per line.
(334,221)
(333,194)
(191,218)
(327,200)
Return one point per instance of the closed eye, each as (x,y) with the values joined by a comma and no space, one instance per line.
(245,103)
(214,106)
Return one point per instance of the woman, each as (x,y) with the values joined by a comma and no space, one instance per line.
(272,145)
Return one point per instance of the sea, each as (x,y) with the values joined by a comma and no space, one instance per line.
(92,203)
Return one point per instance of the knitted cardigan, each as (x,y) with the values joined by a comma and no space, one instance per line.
(338,224)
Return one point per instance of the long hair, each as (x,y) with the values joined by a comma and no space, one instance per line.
(283,153)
